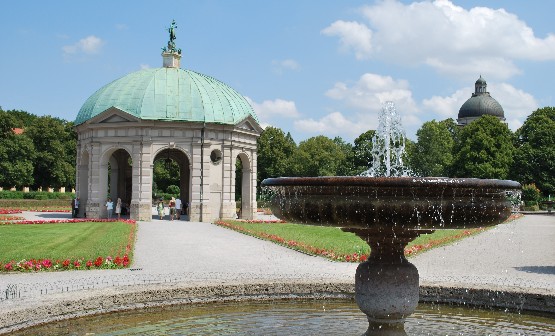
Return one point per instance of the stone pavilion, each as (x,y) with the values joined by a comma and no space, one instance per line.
(167,113)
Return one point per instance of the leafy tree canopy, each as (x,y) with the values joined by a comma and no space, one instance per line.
(484,149)
(317,156)
(534,159)
(55,146)
(433,150)
(362,152)
(275,149)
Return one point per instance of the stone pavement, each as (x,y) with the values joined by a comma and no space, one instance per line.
(518,255)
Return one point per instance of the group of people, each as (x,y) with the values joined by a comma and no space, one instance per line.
(110,207)
(175,205)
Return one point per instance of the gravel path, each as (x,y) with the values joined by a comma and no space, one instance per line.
(520,255)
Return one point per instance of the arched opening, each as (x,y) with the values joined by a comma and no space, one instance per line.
(243,187)
(83,184)
(116,180)
(171,178)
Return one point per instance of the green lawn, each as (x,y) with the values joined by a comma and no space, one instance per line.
(64,240)
(334,243)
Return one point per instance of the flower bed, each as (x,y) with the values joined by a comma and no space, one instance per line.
(121,260)
(299,246)
(410,250)
(10,218)
(263,221)
(32,210)
(73,220)
(66,264)
(9,212)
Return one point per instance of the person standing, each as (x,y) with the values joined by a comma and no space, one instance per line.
(160,208)
(178,208)
(109,207)
(76,207)
(118,208)
(73,202)
(172,208)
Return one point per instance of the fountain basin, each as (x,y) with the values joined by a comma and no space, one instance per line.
(408,203)
(299,317)
(389,212)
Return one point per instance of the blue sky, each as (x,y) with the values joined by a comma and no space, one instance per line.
(308,67)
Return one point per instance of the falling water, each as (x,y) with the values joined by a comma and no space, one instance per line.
(388,145)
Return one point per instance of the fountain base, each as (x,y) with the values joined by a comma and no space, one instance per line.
(387,284)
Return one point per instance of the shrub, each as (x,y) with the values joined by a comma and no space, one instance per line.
(39,195)
(173,189)
(531,194)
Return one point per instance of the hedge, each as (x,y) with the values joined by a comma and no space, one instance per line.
(38,195)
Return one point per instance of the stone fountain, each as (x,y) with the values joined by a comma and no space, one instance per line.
(388,213)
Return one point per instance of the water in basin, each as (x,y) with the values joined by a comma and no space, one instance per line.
(314,317)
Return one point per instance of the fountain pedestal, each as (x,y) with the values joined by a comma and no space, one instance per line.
(386,285)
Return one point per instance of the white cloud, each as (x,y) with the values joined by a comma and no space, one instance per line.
(331,125)
(144,66)
(516,103)
(88,45)
(447,107)
(446,37)
(371,91)
(269,109)
(287,64)
(121,26)
(353,35)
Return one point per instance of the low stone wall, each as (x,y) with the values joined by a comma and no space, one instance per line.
(29,312)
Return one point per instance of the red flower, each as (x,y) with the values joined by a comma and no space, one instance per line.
(98,262)
(66,263)
(89,263)
(76,263)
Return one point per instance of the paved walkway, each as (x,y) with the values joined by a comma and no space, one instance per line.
(520,254)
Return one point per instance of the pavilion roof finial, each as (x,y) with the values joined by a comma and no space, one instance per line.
(170,53)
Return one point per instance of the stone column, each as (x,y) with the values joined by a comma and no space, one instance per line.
(200,191)
(228,187)
(141,198)
(93,202)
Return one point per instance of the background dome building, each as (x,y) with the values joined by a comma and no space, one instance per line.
(481,103)
(171,114)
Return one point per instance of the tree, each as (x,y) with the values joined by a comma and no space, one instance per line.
(16,155)
(433,151)
(166,173)
(346,167)
(362,152)
(534,159)
(23,119)
(275,149)
(54,141)
(484,149)
(317,156)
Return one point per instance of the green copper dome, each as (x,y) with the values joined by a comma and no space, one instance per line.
(171,94)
